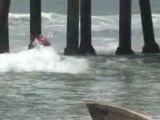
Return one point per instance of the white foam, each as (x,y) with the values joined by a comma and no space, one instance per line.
(41,60)
(111,22)
(100,23)
(105,44)
(49,20)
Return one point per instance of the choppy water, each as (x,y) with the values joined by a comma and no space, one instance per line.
(46,85)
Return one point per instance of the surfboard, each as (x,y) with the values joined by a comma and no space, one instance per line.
(109,112)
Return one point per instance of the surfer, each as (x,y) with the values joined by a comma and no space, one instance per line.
(39,40)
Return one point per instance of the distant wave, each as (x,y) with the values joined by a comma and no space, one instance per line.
(46,17)
(49,20)
(100,23)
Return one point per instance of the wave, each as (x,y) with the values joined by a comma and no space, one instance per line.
(100,23)
(41,60)
(105,44)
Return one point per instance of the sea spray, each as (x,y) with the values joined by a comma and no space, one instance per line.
(44,59)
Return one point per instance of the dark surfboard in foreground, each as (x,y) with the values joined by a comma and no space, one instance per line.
(107,112)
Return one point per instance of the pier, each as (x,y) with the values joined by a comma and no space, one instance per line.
(79,27)
(4,33)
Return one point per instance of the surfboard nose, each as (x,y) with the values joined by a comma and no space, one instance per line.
(108,112)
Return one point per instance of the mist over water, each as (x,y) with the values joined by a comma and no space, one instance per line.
(43,84)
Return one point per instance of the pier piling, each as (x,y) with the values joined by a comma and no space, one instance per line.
(150,45)
(4,32)
(86,37)
(79,32)
(72,28)
(35,19)
(125,28)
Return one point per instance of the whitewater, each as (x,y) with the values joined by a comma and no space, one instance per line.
(44,59)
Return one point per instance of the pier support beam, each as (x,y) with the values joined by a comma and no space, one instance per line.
(150,46)
(86,37)
(72,28)
(4,33)
(35,19)
(125,28)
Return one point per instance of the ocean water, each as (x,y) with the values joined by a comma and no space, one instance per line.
(43,84)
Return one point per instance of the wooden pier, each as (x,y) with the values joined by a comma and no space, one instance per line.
(35,20)
(79,36)
(4,33)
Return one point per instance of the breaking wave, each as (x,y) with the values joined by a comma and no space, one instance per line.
(41,60)
(100,23)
